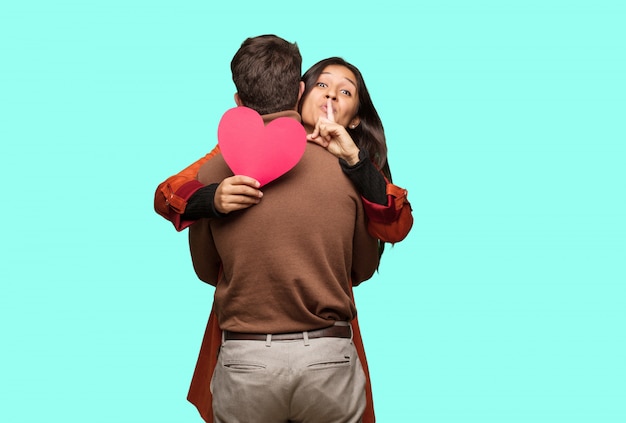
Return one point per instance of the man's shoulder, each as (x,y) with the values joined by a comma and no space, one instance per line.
(215,168)
(317,159)
(320,169)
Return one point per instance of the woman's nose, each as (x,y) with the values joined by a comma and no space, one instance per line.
(331,96)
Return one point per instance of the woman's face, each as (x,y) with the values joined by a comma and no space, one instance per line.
(339,84)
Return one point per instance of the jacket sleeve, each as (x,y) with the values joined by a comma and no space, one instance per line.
(393,221)
(170,197)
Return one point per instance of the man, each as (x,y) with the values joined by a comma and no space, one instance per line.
(284,270)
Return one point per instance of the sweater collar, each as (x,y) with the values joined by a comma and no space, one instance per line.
(286,113)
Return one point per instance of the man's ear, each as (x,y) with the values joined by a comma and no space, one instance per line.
(238,100)
(300,91)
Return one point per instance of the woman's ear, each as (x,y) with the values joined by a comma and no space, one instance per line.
(238,100)
(356,121)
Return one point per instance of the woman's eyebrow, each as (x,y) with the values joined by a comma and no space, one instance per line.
(347,79)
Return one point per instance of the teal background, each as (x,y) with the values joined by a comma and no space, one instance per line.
(505,121)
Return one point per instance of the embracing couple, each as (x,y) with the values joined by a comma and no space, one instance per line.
(282,343)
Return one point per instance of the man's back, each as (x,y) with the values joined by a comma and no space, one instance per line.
(288,262)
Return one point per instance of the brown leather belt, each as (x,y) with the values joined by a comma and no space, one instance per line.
(329,332)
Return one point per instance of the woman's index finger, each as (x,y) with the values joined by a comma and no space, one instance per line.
(329,110)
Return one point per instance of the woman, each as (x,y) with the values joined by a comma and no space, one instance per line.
(336,109)
(335,82)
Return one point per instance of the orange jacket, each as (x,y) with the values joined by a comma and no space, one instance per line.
(389,223)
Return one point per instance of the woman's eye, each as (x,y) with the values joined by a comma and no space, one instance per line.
(321,84)
(346,92)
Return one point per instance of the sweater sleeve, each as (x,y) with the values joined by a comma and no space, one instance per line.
(366,178)
(204,256)
(201,204)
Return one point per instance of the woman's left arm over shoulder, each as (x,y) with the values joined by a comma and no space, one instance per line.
(386,205)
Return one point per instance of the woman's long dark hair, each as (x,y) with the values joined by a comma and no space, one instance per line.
(369,134)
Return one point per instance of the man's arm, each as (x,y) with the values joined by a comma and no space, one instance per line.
(204,256)
(365,257)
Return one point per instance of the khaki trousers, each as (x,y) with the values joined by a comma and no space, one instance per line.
(305,381)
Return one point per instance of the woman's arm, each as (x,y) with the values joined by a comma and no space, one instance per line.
(386,205)
(172,195)
(182,199)
(393,221)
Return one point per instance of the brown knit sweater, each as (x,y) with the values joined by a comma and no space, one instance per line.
(287,262)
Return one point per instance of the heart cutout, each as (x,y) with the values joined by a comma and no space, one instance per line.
(263,152)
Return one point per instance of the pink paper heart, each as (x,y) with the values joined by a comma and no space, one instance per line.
(262,152)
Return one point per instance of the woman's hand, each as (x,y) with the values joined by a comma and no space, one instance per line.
(237,193)
(334,137)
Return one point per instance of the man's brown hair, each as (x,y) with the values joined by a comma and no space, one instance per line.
(266,71)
